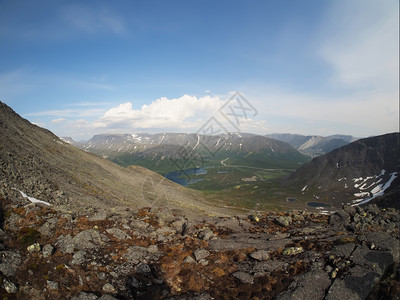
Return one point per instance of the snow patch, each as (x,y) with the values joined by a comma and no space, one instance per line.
(272,149)
(198,141)
(34,200)
(377,191)
(362,194)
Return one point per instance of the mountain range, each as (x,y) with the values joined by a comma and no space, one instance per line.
(37,163)
(166,152)
(314,145)
(354,174)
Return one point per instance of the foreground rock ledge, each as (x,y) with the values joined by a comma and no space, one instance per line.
(159,254)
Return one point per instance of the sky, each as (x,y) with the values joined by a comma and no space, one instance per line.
(80,68)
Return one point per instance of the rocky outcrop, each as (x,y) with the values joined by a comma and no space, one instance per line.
(145,254)
(363,170)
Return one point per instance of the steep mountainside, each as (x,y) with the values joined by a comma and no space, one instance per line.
(39,164)
(165,152)
(356,173)
(314,145)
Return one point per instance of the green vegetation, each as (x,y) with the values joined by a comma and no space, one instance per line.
(27,236)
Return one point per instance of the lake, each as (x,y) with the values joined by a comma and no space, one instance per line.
(186,177)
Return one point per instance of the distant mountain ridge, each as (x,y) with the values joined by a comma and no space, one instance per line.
(155,151)
(356,173)
(314,145)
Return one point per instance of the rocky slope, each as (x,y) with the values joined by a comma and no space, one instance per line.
(160,254)
(356,173)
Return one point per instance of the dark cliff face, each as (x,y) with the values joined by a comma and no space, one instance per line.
(338,171)
(361,158)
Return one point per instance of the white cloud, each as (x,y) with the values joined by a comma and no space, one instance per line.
(362,43)
(363,114)
(59,120)
(182,113)
(69,113)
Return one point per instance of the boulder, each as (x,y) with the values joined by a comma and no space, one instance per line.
(283,221)
(260,255)
(244,277)
(9,262)
(201,254)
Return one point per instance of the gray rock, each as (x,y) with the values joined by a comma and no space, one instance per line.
(203,296)
(143,269)
(343,250)
(260,255)
(377,261)
(10,287)
(107,297)
(118,234)
(135,254)
(297,217)
(200,254)
(3,235)
(351,210)
(283,221)
(109,288)
(357,284)
(141,227)
(247,240)
(85,296)
(311,285)
(47,229)
(261,268)
(189,260)
(279,236)
(52,285)
(164,231)
(89,239)
(384,241)
(164,215)
(179,225)
(203,262)
(78,258)
(100,215)
(9,262)
(153,249)
(65,244)
(206,234)
(47,250)
(245,225)
(231,224)
(244,277)
(339,219)
(373,209)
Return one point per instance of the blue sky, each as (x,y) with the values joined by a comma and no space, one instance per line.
(81,68)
